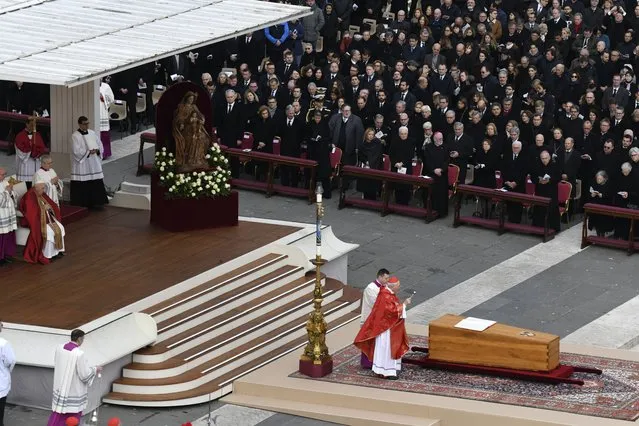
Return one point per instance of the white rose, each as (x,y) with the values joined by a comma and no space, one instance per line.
(226,160)
(170,154)
(161,177)
(163,163)
(157,154)
(227,186)
(207,156)
(215,159)
(161,169)
(171,189)
(199,188)
(164,149)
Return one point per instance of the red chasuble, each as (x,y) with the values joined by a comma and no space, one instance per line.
(24,144)
(33,219)
(386,315)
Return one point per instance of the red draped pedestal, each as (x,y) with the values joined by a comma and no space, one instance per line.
(191,214)
(186,214)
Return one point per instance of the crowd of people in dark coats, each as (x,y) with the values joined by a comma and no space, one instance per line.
(520,95)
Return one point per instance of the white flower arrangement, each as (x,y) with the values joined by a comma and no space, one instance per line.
(210,183)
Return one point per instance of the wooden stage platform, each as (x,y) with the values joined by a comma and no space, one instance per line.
(115,258)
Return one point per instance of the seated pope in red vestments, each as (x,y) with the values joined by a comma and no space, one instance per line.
(42,217)
(383,337)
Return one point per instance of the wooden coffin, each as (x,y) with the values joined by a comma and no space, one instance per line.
(499,345)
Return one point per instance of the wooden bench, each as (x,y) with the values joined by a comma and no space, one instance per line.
(384,205)
(273,160)
(500,224)
(613,212)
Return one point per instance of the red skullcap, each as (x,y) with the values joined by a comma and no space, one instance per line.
(114,422)
(393,280)
(72,421)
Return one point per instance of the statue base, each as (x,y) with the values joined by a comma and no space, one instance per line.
(186,214)
(310,369)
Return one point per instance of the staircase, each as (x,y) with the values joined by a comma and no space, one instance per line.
(225,328)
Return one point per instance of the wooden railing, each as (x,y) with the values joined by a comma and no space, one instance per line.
(499,223)
(16,124)
(611,212)
(273,160)
(386,178)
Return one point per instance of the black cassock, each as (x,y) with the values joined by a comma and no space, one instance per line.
(319,147)
(401,151)
(601,223)
(549,190)
(437,158)
(370,155)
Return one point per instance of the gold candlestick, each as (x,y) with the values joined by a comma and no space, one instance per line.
(316,361)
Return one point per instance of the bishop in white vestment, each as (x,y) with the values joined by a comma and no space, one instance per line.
(87,179)
(48,176)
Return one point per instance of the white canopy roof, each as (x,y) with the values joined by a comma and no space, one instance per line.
(70,42)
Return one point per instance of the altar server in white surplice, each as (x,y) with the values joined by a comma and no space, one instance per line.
(87,179)
(72,376)
(48,176)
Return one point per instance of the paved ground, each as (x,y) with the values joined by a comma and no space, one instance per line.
(582,295)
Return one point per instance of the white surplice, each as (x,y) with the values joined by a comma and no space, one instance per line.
(86,167)
(72,377)
(26,166)
(106,99)
(368,300)
(48,249)
(383,362)
(8,218)
(54,191)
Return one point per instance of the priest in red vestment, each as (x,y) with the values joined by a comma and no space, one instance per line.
(42,217)
(29,148)
(383,336)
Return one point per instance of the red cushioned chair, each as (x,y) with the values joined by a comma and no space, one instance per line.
(499,179)
(453,179)
(276,146)
(530,190)
(386,163)
(564,189)
(336,162)
(418,168)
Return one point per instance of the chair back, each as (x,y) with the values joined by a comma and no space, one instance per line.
(336,158)
(386,163)
(453,174)
(158,91)
(499,179)
(276,146)
(564,189)
(117,111)
(140,105)
(372,23)
(247,141)
(578,185)
(353,29)
(418,167)
(530,186)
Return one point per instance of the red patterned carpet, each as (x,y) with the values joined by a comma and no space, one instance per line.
(614,394)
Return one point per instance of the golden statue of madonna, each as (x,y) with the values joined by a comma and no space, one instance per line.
(192,141)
